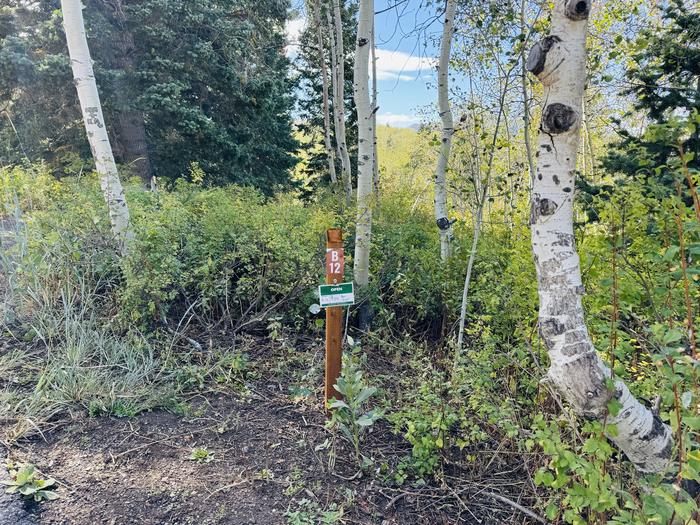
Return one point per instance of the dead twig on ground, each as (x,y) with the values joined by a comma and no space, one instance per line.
(517,506)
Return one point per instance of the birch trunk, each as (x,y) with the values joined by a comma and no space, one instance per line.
(324,86)
(481,190)
(441,216)
(559,62)
(365,175)
(478,221)
(89,97)
(338,65)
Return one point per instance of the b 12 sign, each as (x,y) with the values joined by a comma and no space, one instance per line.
(335,264)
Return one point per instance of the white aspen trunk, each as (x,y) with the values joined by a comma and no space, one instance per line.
(478,221)
(363,225)
(526,102)
(89,97)
(324,81)
(559,61)
(375,109)
(441,216)
(338,65)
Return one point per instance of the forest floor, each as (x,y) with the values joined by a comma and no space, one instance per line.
(268,466)
(271,459)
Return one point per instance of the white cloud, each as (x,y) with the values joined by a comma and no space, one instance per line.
(292,30)
(390,75)
(397,65)
(396,120)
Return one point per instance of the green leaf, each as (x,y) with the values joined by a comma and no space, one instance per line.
(544,477)
(672,336)
(692,422)
(48,495)
(366,393)
(614,407)
(365,421)
(25,475)
(27,490)
(671,253)
(338,403)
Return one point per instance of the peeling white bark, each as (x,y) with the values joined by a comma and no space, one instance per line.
(441,216)
(338,65)
(559,61)
(89,97)
(324,86)
(365,146)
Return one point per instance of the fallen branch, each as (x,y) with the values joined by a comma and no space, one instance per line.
(267,311)
(517,506)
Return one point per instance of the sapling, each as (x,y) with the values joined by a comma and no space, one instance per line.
(349,415)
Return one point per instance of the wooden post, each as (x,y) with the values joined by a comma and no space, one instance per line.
(335,270)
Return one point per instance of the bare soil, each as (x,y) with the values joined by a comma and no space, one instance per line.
(265,467)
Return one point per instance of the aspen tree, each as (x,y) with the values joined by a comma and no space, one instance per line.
(365,151)
(526,100)
(338,66)
(375,109)
(441,217)
(324,86)
(576,370)
(84,78)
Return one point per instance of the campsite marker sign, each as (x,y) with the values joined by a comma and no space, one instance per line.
(335,261)
(333,296)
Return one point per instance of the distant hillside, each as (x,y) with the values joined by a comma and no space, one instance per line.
(406,161)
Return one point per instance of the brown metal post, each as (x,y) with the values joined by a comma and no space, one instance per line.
(335,270)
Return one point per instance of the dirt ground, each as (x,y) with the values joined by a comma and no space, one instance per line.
(266,468)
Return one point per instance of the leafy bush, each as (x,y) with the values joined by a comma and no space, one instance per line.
(443,414)
(223,253)
(226,250)
(415,292)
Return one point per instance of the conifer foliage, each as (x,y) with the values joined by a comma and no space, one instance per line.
(218,94)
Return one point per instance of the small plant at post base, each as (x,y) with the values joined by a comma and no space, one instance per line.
(309,513)
(25,481)
(349,415)
(201,455)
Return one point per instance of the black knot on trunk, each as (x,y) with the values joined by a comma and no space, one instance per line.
(558,118)
(538,54)
(444,223)
(577,9)
(547,207)
(361,42)
(541,208)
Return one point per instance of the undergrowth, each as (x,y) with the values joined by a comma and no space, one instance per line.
(87,331)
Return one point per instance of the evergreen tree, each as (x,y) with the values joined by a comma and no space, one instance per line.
(209,79)
(310,103)
(665,80)
(41,117)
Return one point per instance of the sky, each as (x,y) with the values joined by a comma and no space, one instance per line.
(406,60)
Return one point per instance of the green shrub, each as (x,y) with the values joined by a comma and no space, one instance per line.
(227,252)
